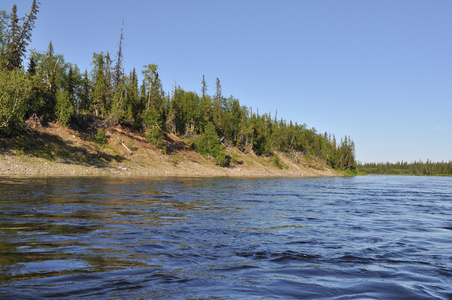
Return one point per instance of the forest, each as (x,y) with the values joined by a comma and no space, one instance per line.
(42,85)
(404,168)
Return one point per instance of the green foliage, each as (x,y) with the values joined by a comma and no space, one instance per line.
(277,161)
(64,108)
(14,90)
(348,172)
(133,106)
(155,136)
(84,93)
(36,99)
(101,86)
(16,39)
(100,138)
(208,144)
(221,158)
(154,113)
(4,28)
(235,158)
(175,159)
(118,108)
(48,77)
(404,168)
(130,145)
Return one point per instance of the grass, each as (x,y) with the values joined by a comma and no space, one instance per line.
(53,148)
(277,162)
(175,159)
(348,172)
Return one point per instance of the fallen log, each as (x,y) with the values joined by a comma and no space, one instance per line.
(122,143)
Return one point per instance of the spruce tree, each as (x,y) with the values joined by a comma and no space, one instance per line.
(84,94)
(132,101)
(217,113)
(19,36)
(109,82)
(100,88)
(64,108)
(208,144)
(118,107)
(4,30)
(204,86)
(154,109)
(118,73)
(174,110)
(70,85)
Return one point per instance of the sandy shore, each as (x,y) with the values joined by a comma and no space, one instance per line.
(11,165)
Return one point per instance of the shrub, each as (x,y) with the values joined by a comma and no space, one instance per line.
(100,137)
(130,145)
(208,144)
(63,108)
(277,161)
(155,137)
(14,90)
(175,159)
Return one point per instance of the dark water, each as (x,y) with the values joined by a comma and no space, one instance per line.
(375,237)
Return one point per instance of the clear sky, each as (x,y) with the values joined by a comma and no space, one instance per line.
(379,71)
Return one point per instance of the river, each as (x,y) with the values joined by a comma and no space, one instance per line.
(372,237)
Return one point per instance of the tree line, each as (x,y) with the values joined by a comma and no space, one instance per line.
(55,90)
(404,168)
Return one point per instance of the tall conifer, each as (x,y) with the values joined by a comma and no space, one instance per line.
(20,36)
(118,73)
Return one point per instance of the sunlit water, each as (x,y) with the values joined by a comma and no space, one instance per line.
(375,237)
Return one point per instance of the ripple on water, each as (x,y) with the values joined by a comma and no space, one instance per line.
(338,238)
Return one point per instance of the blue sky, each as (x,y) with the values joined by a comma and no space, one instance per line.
(378,71)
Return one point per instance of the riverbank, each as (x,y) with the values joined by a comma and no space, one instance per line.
(54,150)
(11,165)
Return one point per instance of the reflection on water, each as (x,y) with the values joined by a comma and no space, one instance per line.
(373,237)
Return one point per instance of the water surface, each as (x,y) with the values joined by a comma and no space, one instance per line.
(374,237)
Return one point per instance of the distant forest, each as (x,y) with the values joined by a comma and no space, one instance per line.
(51,89)
(404,168)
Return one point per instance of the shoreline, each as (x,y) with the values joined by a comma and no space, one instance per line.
(27,166)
